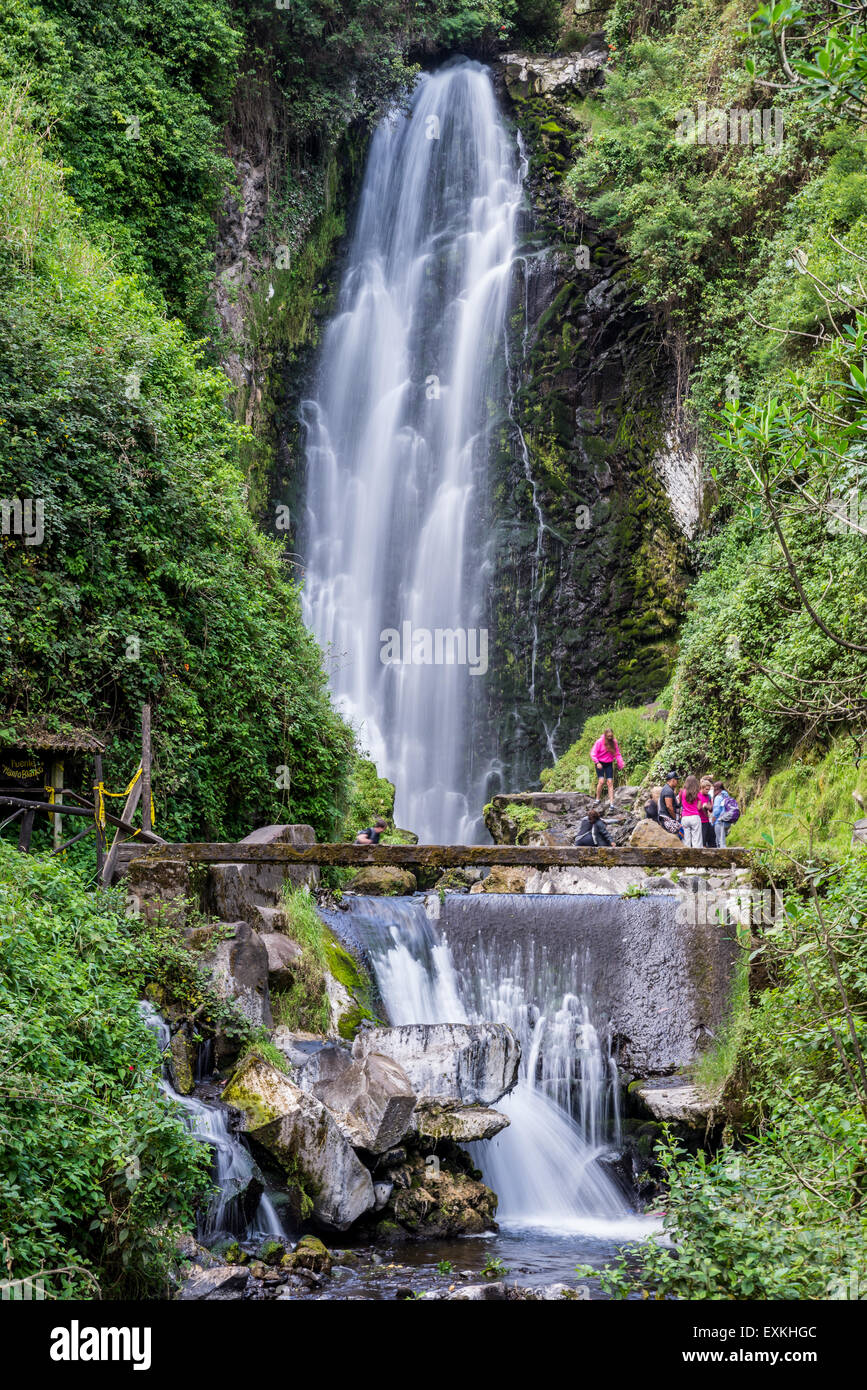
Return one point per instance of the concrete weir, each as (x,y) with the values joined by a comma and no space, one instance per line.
(661,975)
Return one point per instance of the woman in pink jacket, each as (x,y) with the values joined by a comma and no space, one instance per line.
(604,754)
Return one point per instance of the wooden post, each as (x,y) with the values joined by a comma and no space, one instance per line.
(126,815)
(26,831)
(146,767)
(100,833)
(57,784)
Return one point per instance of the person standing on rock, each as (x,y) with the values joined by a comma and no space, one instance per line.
(708,837)
(603,755)
(593,831)
(690,813)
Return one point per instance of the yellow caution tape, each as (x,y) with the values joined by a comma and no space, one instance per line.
(101,793)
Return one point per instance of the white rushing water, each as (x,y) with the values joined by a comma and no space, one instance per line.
(232,1163)
(410,380)
(548,1167)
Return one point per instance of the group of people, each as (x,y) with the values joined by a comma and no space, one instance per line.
(700,813)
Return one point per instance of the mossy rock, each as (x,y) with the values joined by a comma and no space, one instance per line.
(310,1253)
(383,881)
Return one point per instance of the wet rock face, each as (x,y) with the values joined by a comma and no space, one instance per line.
(556,818)
(434,1197)
(305,1140)
(661,973)
(452,1063)
(372,1099)
(237,965)
(587,554)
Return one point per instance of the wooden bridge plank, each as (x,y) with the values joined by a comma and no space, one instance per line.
(449,856)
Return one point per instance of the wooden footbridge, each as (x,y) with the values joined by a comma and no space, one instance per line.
(450,856)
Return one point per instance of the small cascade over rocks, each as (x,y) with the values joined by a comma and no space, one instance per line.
(240,1205)
(548,1167)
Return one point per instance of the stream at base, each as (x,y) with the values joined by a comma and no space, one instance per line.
(562,1197)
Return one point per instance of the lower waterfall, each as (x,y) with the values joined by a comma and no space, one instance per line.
(548,1168)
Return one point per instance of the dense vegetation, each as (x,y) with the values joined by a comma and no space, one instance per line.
(750,255)
(98,1176)
(751,259)
(779,1211)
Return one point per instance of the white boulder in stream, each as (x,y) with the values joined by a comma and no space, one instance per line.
(454,1064)
(304,1138)
(371,1098)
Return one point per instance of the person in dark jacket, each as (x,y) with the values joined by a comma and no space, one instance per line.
(370,835)
(593,831)
(651,807)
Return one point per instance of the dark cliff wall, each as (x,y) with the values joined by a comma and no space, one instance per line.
(588,558)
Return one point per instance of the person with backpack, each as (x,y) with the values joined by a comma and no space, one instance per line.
(604,753)
(593,831)
(724,814)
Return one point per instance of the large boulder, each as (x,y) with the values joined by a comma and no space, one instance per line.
(215,1285)
(382,881)
(236,963)
(503,879)
(160,890)
(859,832)
(237,890)
(465,1063)
(284,955)
(371,1098)
(433,1199)
(650,835)
(464,1124)
(690,1106)
(300,1134)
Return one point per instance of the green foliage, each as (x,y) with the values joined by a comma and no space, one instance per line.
(135,95)
(526,820)
(782,1215)
(807,806)
(98,1174)
(638,738)
(370,796)
(305,1006)
(147,538)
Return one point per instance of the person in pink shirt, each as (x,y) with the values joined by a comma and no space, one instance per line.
(604,754)
(690,813)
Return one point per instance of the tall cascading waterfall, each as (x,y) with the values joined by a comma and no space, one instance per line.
(548,1167)
(410,380)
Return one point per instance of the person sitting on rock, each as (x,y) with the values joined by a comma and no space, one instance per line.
(593,831)
(668,806)
(604,753)
(370,836)
(651,806)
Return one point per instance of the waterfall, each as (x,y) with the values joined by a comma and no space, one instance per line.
(548,1167)
(233,1166)
(410,382)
